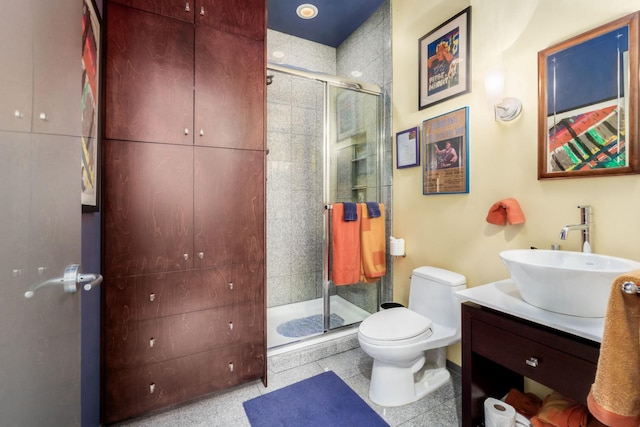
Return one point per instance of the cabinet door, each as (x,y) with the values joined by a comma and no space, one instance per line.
(243,17)
(16,56)
(149,77)
(178,9)
(57,51)
(148,208)
(229,206)
(230,86)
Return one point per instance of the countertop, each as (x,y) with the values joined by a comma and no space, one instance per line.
(504,296)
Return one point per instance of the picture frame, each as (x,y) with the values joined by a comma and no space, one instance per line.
(349,117)
(408,148)
(588,109)
(90,101)
(444,61)
(446,153)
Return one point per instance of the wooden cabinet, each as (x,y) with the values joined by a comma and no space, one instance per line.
(246,18)
(151,77)
(499,350)
(183,211)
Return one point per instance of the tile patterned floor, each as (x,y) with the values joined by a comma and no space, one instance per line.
(440,409)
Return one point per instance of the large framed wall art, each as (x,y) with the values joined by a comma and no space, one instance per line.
(446,148)
(588,103)
(90,105)
(444,66)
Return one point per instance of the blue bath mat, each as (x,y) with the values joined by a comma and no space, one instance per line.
(321,401)
(306,326)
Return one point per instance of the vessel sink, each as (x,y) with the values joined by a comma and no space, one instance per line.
(572,283)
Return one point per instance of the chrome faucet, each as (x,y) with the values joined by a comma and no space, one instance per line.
(585,226)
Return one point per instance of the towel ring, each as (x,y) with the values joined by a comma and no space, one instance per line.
(630,288)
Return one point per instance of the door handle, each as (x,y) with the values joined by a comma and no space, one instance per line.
(70,281)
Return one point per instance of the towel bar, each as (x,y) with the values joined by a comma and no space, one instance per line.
(630,288)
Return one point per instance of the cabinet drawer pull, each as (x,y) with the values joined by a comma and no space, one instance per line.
(152,341)
(201,132)
(202,11)
(186,131)
(231,367)
(152,297)
(186,257)
(18,114)
(231,326)
(532,361)
(231,286)
(152,388)
(201,255)
(43,116)
(187,8)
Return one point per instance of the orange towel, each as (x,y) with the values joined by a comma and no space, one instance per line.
(527,404)
(614,398)
(558,410)
(373,245)
(345,236)
(505,210)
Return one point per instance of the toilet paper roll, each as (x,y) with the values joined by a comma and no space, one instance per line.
(498,414)
(396,247)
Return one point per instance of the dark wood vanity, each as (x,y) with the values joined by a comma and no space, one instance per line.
(499,350)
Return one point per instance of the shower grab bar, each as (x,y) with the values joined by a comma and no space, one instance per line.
(72,277)
(631,288)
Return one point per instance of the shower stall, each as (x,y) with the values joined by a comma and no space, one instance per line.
(324,136)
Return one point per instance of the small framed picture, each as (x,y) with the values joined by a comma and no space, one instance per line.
(444,66)
(408,148)
(446,164)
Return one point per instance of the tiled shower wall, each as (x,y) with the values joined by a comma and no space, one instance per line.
(294,140)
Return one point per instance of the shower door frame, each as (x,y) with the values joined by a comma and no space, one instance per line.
(330,81)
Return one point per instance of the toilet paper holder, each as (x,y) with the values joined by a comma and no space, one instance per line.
(397,247)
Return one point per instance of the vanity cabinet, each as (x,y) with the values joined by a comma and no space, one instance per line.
(184,309)
(499,350)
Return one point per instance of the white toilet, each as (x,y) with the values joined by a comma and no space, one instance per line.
(398,338)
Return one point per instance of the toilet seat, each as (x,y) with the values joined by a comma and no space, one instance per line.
(395,326)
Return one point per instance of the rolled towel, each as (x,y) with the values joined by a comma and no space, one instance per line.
(505,210)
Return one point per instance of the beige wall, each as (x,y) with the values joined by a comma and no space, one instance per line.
(450,231)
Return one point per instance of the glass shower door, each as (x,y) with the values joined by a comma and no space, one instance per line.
(353,153)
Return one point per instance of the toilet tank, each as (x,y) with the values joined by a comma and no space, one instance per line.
(432,294)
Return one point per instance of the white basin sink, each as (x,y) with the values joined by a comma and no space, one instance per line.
(573,283)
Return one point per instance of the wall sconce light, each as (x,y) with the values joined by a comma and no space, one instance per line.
(505,109)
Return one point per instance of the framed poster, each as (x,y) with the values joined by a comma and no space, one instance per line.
(446,148)
(588,109)
(408,148)
(444,66)
(90,105)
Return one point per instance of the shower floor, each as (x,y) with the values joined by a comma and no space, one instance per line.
(303,317)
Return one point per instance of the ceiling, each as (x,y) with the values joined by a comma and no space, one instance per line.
(336,20)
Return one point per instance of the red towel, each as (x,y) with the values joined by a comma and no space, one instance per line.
(558,410)
(345,236)
(505,210)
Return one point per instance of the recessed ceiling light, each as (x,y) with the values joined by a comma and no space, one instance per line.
(307,11)
(356,73)
(278,54)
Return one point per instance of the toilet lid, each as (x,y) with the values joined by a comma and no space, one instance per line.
(394,324)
